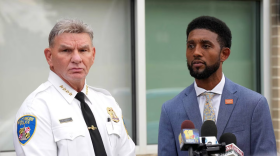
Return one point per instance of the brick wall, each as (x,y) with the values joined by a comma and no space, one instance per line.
(275,69)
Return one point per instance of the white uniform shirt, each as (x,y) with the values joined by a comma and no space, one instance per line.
(60,127)
(216,100)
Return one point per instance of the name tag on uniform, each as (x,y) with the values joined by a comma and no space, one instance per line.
(65,120)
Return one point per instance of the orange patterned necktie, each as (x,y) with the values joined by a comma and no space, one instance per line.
(208,113)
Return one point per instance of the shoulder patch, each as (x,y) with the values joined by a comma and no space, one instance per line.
(26,126)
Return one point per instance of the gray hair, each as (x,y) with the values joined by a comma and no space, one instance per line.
(69,26)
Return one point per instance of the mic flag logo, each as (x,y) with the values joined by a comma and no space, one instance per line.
(189,136)
(209,140)
(233,150)
(26,126)
(180,139)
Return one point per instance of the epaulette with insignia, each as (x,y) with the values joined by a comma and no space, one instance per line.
(26,126)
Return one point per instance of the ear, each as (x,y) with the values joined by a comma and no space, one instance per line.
(48,56)
(93,53)
(224,54)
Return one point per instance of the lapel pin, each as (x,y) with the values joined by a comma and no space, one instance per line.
(228,101)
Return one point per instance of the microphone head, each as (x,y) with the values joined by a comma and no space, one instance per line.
(187,124)
(209,128)
(228,138)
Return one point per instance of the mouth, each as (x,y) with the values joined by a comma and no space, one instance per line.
(76,70)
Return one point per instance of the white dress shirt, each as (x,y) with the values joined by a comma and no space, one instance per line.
(60,126)
(216,100)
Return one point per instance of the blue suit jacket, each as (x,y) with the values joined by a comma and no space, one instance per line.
(248,118)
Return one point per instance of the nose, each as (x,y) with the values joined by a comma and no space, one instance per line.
(76,58)
(197,52)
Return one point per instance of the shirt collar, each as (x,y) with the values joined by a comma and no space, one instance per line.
(218,89)
(64,89)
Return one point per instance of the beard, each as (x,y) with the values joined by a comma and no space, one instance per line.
(207,72)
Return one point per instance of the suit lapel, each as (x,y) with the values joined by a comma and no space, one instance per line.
(192,108)
(225,110)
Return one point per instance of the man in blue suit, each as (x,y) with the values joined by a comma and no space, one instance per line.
(234,108)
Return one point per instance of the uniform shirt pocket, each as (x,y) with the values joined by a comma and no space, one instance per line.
(66,132)
(114,133)
(67,139)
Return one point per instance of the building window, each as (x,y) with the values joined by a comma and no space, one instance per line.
(166,67)
(24,36)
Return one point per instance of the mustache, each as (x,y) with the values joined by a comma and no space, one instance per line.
(196,60)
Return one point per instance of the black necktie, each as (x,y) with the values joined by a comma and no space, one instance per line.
(92,127)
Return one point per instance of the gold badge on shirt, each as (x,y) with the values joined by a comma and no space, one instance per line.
(112,114)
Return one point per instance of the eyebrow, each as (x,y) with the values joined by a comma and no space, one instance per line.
(67,46)
(200,41)
(84,47)
(206,41)
(190,42)
(64,46)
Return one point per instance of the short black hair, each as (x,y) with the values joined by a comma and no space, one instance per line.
(212,24)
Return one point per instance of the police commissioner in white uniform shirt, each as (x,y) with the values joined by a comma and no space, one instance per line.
(50,122)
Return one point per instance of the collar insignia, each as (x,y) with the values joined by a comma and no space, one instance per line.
(67,91)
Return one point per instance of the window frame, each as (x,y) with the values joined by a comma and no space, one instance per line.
(138,50)
(264,79)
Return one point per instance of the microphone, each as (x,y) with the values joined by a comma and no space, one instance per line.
(228,138)
(231,148)
(209,133)
(209,144)
(189,137)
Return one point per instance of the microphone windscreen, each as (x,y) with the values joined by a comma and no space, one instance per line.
(209,128)
(187,124)
(228,138)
